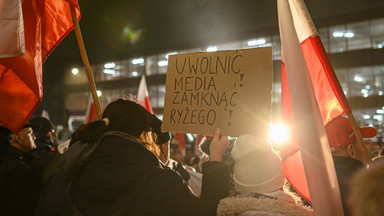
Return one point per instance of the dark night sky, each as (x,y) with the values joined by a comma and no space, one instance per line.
(166,25)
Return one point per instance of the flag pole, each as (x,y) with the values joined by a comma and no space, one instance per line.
(360,141)
(84,57)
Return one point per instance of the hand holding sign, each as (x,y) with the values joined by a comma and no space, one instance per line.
(230,90)
(218,146)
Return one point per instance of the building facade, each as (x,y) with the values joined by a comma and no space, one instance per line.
(353,42)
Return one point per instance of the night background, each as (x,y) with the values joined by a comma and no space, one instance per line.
(115,30)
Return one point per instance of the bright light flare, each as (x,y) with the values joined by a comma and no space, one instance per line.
(99,93)
(168,54)
(109,65)
(162,63)
(211,49)
(278,133)
(349,35)
(378,117)
(256,42)
(138,61)
(75,71)
(358,78)
(109,71)
(338,34)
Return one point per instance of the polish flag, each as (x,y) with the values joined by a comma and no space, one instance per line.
(11,29)
(311,97)
(91,113)
(142,95)
(45,23)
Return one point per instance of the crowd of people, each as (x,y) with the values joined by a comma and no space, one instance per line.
(123,165)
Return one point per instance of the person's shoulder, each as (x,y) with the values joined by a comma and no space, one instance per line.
(115,137)
(166,174)
(12,166)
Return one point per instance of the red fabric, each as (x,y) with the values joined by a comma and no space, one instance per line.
(318,54)
(290,153)
(181,138)
(325,84)
(320,70)
(91,113)
(147,105)
(142,95)
(46,23)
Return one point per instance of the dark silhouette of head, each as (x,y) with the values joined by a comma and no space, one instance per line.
(128,116)
(121,115)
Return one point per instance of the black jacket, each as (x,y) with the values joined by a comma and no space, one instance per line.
(345,168)
(20,184)
(120,161)
(4,141)
(42,155)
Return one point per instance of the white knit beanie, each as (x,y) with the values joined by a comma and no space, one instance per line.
(257,167)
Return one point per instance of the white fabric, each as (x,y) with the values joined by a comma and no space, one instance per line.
(302,20)
(257,167)
(11,29)
(195,182)
(45,114)
(246,206)
(63,147)
(312,138)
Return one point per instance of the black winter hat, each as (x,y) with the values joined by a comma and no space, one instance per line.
(162,137)
(45,124)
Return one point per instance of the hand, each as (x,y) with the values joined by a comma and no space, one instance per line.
(218,146)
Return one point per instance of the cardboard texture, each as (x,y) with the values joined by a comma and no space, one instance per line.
(230,90)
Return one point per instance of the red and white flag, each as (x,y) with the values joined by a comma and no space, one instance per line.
(46,23)
(91,113)
(311,97)
(11,29)
(142,95)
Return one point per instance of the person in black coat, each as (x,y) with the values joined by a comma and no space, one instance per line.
(121,174)
(20,184)
(4,140)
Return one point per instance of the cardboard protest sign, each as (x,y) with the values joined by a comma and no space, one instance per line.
(230,90)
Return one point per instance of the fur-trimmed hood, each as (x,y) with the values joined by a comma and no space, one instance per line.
(247,206)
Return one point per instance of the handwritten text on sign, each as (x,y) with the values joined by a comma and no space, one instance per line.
(227,89)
